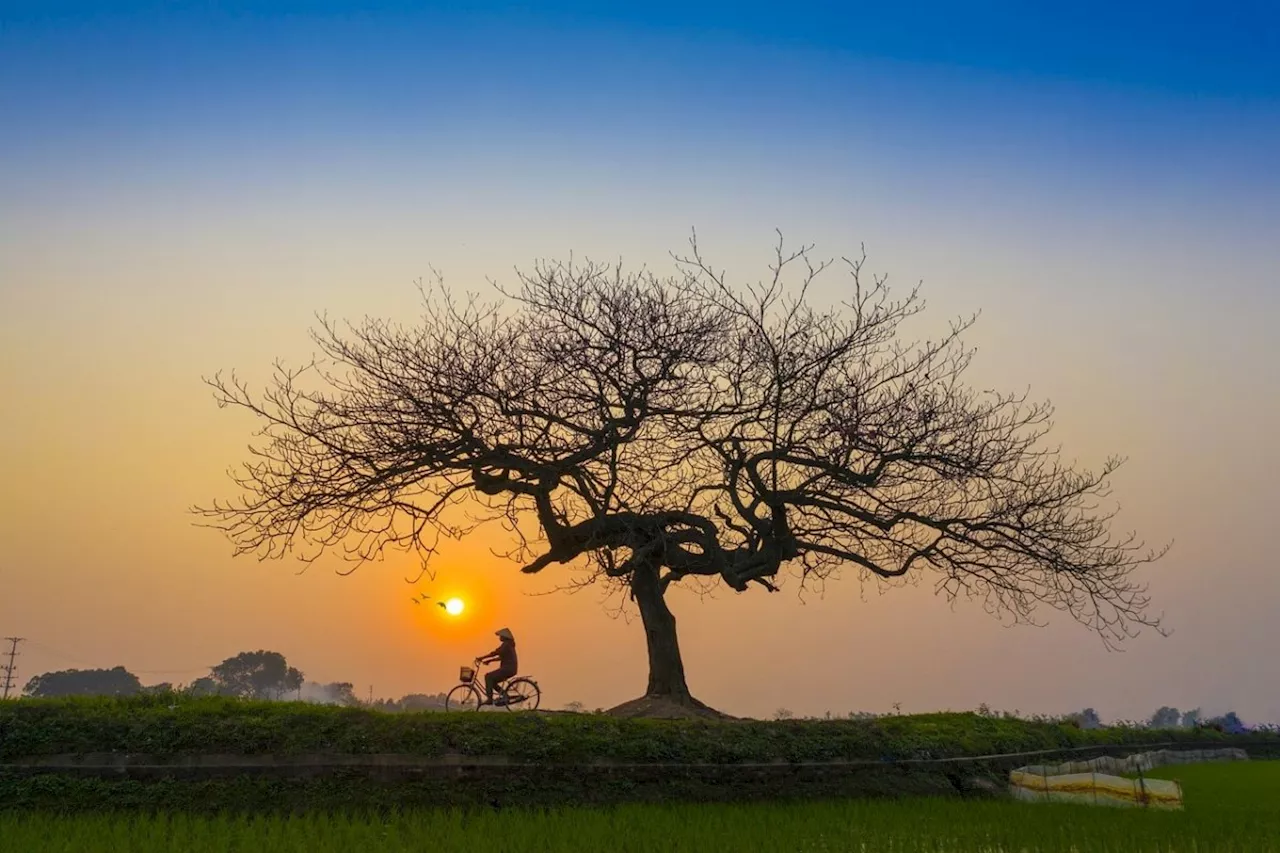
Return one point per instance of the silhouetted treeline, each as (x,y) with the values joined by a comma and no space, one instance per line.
(412,702)
(116,681)
(1168,717)
(261,674)
(266,675)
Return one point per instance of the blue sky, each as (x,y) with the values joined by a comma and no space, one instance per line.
(1227,49)
(1159,99)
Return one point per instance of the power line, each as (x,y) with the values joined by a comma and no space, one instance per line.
(12,668)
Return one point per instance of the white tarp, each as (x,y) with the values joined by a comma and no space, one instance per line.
(1093,781)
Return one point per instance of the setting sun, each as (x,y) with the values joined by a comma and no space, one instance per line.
(454,606)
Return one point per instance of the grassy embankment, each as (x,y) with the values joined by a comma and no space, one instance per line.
(551,760)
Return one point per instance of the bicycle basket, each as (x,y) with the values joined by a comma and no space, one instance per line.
(467,674)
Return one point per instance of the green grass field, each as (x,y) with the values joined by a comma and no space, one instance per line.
(1230,807)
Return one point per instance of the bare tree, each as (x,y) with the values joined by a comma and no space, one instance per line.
(658,430)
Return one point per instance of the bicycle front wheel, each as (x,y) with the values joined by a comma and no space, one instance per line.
(464,697)
(523,695)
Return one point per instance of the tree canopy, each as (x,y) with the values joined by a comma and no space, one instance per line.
(116,681)
(254,675)
(655,430)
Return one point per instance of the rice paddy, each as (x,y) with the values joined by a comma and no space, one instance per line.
(1229,807)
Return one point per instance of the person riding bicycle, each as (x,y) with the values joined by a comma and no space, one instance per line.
(505,655)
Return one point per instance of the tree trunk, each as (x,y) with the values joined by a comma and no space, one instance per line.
(666,669)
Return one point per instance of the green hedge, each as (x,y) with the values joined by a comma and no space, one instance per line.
(168,726)
(536,786)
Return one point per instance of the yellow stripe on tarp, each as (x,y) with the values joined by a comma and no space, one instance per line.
(1089,783)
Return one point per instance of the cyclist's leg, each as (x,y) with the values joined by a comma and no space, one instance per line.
(490,681)
(496,677)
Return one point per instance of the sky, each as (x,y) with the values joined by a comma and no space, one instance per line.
(183,187)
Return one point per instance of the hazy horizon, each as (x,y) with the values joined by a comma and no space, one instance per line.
(182,191)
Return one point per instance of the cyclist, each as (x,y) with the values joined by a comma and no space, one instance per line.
(505,655)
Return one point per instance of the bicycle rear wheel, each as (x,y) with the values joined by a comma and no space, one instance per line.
(464,697)
(523,695)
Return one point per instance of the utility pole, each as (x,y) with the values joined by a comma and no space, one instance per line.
(11,668)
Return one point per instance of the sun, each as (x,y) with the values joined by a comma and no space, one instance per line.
(454,606)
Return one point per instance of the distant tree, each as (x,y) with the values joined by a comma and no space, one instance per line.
(155,689)
(422,702)
(684,430)
(1229,722)
(256,675)
(1087,719)
(1190,719)
(116,681)
(1165,718)
(343,692)
(203,686)
(575,707)
(783,714)
(1233,724)
(334,693)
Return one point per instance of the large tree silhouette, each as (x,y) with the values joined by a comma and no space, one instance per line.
(255,675)
(663,430)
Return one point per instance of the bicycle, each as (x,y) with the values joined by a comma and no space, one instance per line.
(518,694)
